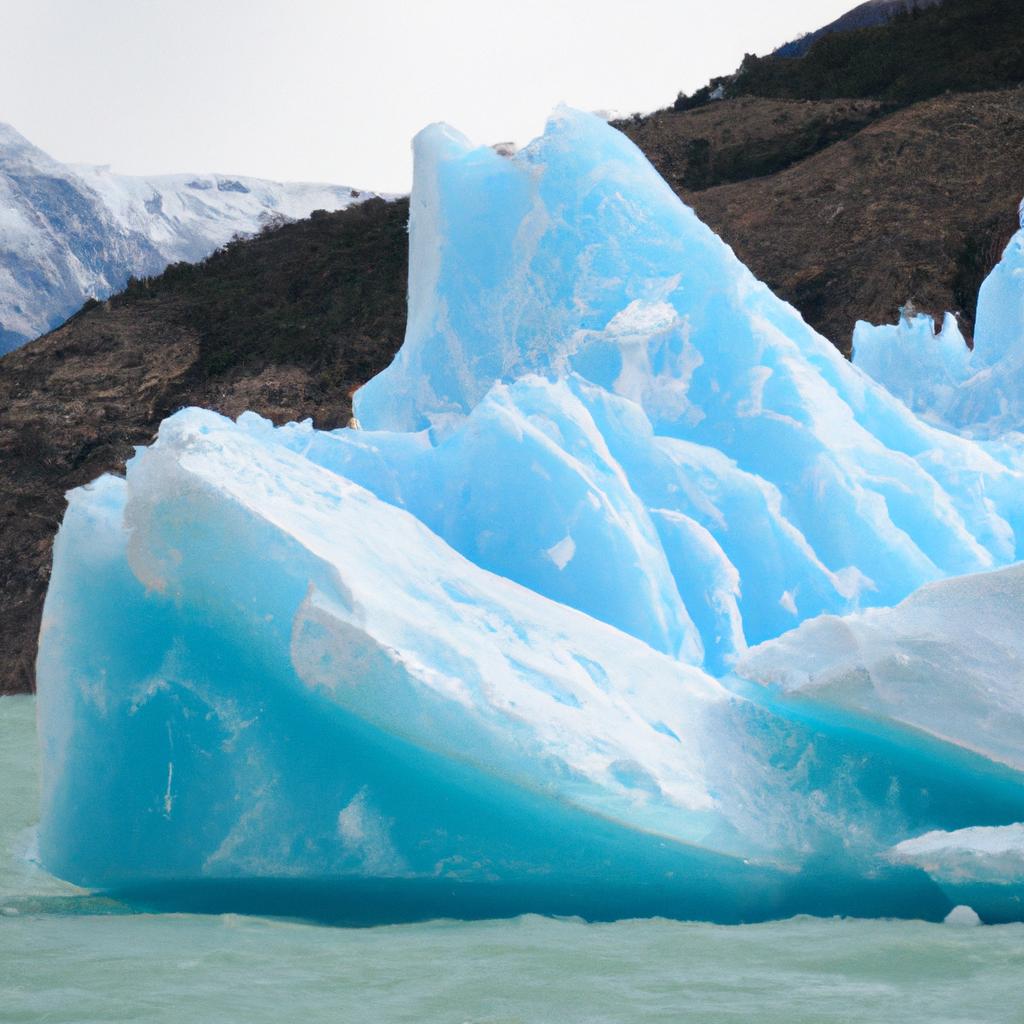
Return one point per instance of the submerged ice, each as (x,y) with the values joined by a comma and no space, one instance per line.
(484,648)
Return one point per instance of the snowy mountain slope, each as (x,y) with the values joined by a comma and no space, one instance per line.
(182,214)
(59,243)
(71,232)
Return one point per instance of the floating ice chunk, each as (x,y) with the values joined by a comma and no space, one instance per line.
(981,869)
(345,697)
(467,642)
(962,916)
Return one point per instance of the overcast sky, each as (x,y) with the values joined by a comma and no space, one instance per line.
(332,90)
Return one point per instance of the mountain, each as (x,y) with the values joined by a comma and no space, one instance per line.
(953,46)
(68,233)
(866,15)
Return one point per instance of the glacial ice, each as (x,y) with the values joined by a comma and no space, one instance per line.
(948,661)
(982,868)
(972,854)
(924,367)
(978,392)
(479,656)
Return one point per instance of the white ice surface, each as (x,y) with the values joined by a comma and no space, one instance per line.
(979,854)
(949,661)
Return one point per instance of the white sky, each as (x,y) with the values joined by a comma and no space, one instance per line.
(332,90)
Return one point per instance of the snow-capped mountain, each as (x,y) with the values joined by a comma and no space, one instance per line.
(71,232)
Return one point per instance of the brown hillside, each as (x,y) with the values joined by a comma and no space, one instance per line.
(321,305)
(735,140)
(915,207)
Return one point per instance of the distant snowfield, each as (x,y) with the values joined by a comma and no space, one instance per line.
(71,232)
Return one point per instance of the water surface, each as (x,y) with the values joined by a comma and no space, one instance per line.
(69,957)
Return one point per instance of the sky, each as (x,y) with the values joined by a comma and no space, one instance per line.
(333,91)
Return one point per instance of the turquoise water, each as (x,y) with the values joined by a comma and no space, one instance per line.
(65,956)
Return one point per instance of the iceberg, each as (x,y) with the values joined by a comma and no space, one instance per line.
(485,652)
(978,392)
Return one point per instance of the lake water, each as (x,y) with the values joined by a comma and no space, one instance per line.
(65,956)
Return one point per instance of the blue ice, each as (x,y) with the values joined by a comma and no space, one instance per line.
(977,392)
(480,654)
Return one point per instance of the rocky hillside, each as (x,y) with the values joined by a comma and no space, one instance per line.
(288,323)
(959,45)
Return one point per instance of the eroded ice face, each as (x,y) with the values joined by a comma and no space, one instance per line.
(481,640)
